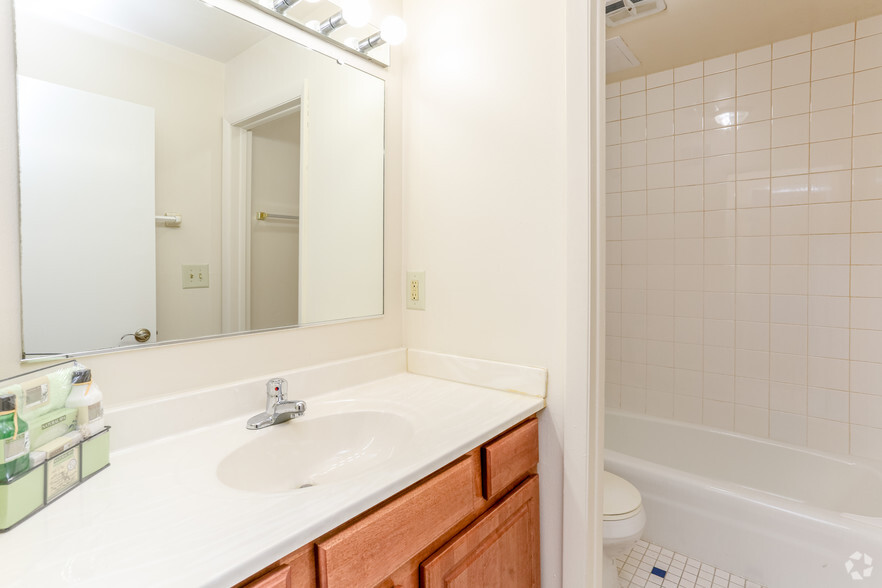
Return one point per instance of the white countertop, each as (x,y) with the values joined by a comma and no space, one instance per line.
(160,517)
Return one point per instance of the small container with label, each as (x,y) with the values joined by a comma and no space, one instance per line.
(86,397)
(14,440)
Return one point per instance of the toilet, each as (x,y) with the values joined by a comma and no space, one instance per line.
(623,522)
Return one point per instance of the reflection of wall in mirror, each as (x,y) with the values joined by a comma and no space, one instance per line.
(186,92)
(341,201)
(275,188)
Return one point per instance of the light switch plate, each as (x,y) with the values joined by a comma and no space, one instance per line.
(415,290)
(194,276)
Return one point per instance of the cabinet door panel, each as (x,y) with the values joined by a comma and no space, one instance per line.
(499,550)
(510,457)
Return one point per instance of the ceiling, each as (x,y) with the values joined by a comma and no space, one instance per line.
(695,30)
(188,24)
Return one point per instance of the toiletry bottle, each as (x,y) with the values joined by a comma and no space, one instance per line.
(86,397)
(15,443)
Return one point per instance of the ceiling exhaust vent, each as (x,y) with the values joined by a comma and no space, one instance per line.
(619,56)
(624,11)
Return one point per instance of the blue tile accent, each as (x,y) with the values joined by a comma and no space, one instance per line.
(659,572)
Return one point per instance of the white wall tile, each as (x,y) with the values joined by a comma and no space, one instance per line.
(829,249)
(789,161)
(792,339)
(866,313)
(791,70)
(828,373)
(688,93)
(750,420)
(828,280)
(719,64)
(791,100)
(754,136)
(866,377)
(633,104)
(789,250)
(789,220)
(721,113)
(827,435)
(792,46)
(830,156)
(866,248)
(786,397)
(689,72)
(868,53)
(787,427)
(828,404)
(719,141)
(787,190)
(790,130)
(869,26)
(867,183)
(830,187)
(866,280)
(834,123)
(829,311)
(833,36)
(634,129)
(868,85)
(754,107)
(828,342)
(659,99)
(633,85)
(868,118)
(660,124)
(753,164)
(833,61)
(829,218)
(613,89)
(689,146)
(755,78)
(866,441)
(868,151)
(719,86)
(688,120)
(754,56)
(719,170)
(831,92)
(662,78)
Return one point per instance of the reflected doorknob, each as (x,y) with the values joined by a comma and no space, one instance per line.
(142,335)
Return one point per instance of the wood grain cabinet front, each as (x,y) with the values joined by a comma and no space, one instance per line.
(499,550)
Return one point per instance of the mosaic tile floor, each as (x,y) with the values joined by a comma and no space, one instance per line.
(649,565)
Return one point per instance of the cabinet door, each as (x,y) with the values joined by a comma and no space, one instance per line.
(499,550)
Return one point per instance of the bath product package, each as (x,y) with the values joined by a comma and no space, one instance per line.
(15,443)
(52,425)
(43,394)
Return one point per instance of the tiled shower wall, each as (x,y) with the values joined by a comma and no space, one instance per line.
(745,241)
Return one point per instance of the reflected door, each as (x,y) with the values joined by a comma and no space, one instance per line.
(88,258)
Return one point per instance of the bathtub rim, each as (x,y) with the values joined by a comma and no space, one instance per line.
(769,499)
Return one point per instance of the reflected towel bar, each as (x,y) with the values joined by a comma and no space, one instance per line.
(170,219)
(269,215)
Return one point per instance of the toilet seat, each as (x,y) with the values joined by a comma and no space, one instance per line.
(621,500)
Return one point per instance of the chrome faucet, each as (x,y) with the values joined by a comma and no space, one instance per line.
(278,408)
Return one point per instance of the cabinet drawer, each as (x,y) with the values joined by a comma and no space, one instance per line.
(510,458)
(366,552)
(278,578)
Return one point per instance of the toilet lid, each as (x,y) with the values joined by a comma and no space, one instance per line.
(620,497)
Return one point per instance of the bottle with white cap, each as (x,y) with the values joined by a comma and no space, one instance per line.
(86,397)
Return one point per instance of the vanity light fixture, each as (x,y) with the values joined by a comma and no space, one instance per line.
(355,13)
(393,30)
(281,6)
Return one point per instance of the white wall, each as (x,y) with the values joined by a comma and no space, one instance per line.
(745,260)
(486,200)
(139,375)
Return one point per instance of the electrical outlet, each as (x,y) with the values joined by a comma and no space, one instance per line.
(416,290)
(194,276)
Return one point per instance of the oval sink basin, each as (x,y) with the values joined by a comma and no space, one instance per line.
(313,451)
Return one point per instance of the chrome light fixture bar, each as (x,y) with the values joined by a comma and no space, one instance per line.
(355,13)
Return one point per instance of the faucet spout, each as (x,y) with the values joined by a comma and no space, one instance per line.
(278,408)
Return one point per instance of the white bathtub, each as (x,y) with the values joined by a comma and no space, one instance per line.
(786,516)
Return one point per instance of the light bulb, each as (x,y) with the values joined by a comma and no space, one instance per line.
(356,13)
(393,30)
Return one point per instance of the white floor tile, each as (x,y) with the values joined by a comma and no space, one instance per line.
(653,566)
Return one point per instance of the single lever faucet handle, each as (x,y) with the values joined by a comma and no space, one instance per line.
(276,392)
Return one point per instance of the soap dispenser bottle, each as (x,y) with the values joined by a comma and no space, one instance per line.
(86,397)
(15,443)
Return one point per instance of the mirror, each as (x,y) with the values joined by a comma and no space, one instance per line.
(185,173)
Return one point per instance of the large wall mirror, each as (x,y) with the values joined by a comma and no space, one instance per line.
(185,173)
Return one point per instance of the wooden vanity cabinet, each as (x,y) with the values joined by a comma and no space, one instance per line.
(474,523)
